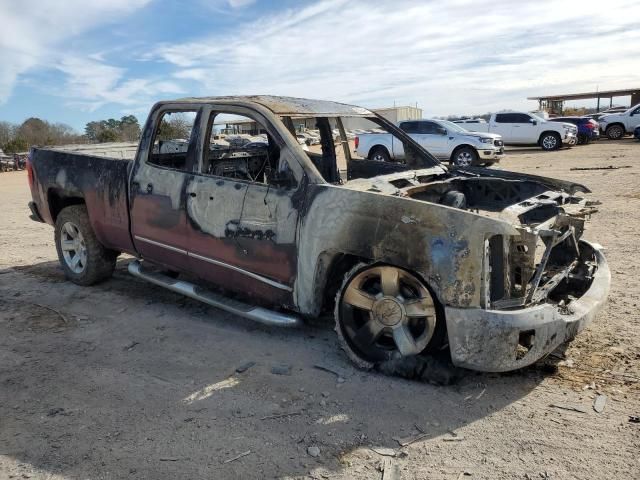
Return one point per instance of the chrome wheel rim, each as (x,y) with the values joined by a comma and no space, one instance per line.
(464,159)
(378,157)
(74,249)
(549,142)
(387,312)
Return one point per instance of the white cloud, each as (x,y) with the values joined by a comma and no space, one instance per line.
(91,84)
(460,56)
(33,31)
(450,57)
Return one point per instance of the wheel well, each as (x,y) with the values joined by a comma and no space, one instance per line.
(378,147)
(459,147)
(616,123)
(339,265)
(553,132)
(58,201)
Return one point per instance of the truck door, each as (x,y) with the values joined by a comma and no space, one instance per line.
(241,218)
(524,128)
(416,131)
(157,185)
(501,124)
(435,135)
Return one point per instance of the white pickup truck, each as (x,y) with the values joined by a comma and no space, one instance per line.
(519,128)
(616,125)
(444,140)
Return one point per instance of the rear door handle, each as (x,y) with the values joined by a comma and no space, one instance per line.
(149,188)
(192,194)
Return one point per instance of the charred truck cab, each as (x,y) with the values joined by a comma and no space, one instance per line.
(407,255)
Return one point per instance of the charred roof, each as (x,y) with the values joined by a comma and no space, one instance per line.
(289,106)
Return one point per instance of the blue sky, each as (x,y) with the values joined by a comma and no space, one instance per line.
(74,61)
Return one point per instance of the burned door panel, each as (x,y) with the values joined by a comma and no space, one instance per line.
(158,221)
(267,231)
(158,183)
(220,246)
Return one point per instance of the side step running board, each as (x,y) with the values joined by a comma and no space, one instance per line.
(259,314)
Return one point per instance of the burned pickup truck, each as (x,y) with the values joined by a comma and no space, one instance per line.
(408,256)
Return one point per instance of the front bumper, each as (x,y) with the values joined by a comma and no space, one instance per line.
(570,139)
(489,153)
(490,340)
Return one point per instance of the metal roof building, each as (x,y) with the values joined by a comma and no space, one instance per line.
(555,103)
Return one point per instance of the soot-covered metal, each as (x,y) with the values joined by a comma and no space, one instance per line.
(500,254)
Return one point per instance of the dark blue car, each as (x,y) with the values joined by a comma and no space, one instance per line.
(588,128)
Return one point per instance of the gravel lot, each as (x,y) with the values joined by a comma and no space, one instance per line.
(126,380)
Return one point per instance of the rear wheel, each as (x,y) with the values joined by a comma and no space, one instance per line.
(384,312)
(550,141)
(83,258)
(379,154)
(615,132)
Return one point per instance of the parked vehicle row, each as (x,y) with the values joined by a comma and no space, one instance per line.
(616,125)
(521,128)
(12,162)
(445,140)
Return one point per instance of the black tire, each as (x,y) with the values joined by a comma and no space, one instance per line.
(362,360)
(615,132)
(379,154)
(99,262)
(464,157)
(550,141)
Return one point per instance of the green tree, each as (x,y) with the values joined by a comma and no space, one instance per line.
(107,135)
(34,131)
(16,145)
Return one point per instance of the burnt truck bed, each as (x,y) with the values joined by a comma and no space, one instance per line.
(67,177)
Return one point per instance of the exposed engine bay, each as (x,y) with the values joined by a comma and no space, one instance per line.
(544,262)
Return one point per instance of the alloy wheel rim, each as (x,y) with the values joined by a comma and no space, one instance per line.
(74,249)
(549,141)
(387,312)
(464,159)
(616,132)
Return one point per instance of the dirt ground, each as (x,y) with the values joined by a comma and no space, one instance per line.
(126,380)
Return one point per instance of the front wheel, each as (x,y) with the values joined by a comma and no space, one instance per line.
(384,312)
(615,132)
(84,260)
(464,157)
(550,141)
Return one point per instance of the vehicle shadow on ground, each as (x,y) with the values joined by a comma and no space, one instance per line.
(127,380)
(534,149)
